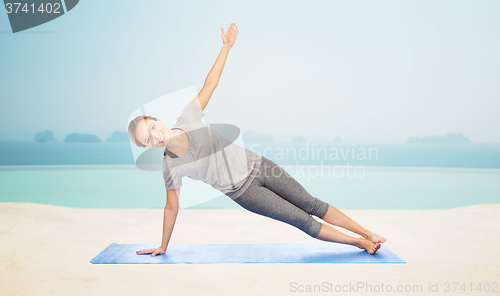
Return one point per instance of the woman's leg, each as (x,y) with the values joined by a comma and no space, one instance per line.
(279,181)
(330,234)
(275,178)
(259,199)
(337,218)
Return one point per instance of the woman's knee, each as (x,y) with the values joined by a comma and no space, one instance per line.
(321,209)
(314,228)
(310,226)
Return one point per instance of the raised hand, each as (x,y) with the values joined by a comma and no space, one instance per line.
(153,252)
(230,37)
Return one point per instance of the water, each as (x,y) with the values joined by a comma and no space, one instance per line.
(60,153)
(103,175)
(125,186)
(375,154)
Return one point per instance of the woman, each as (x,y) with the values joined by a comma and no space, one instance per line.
(254,182)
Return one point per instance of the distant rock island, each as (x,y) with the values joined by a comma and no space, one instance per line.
(298,139)
(118,136)
(82,138)
(46,136)
(447,139)
(254,137)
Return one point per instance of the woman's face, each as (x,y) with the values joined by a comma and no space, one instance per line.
(151,133)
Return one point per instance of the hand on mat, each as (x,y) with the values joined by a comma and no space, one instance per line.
(230,37)
(153,252)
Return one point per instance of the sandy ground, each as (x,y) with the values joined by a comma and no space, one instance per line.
(45,250)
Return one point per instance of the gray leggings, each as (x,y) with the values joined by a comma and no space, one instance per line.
(277,195)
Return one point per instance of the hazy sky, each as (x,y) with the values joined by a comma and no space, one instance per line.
(362,70)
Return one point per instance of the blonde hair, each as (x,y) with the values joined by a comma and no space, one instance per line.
(132,126)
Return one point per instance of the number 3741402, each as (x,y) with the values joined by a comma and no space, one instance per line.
(471,287)
(31,8)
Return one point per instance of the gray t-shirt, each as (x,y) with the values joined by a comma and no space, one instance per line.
(210,158)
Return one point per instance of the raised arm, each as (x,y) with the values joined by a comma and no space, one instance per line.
(169,217)
(213,77)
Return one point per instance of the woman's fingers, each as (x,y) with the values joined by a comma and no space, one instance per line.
(145,251)
(234,32)
(153,252)
(232,28)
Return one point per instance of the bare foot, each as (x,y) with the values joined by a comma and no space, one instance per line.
(369,247)
(375,238)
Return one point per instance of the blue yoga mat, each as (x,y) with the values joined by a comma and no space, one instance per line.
(245,253)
